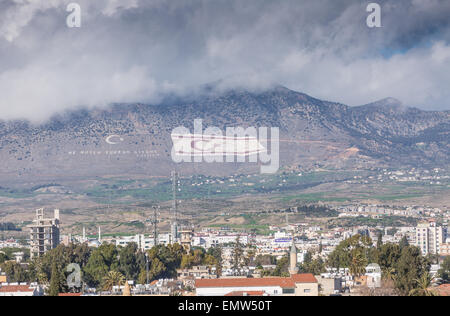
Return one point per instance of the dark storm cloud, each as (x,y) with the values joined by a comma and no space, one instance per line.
(136,50)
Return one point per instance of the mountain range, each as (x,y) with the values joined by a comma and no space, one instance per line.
(313,134)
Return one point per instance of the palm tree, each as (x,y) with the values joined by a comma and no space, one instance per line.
(113,278)
(358,264)
(389,274)
(423,286)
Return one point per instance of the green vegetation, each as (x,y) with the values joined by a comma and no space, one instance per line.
(315,197)
(9,227)
(108,265)
(444,272)
(314,266)
(8,253)
(402,265)
(387,221)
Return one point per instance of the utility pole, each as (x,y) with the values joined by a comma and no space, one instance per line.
(146,265)
(174,196)
(174,224)
(154,222)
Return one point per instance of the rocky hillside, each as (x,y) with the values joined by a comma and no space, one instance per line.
(314,133)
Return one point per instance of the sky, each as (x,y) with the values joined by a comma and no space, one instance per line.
(139,50)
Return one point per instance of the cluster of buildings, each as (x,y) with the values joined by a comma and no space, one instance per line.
(296,239)
(383,210)
(294,285)
(434,176)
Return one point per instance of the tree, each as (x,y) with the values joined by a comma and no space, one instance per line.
(308,257)
(113,278)
(358,263)
(14,271)
(423,286)
(444,272)
(316,267)
(388,256)
(404,242)
(410,267)
(102,260)
(216,252)
(380,240)
(165,260)
(3,257)
(193,258)
(36,272)
(237,256)
(55,281)
(282,268)
(210,261)
(250,257)
(79,254)
(389,274)
(157,270)
(129,264)
(343,254)
(42,269)
(310,265)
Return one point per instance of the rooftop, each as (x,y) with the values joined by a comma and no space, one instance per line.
(257,282)
(248,293)
(15,288)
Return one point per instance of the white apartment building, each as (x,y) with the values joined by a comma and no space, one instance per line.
(213,240)
(144,242)
(429,237)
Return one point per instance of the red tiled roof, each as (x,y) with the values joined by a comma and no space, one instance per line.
(304,278)
(15,288)
(154,282)
(444,290)
(69,294)
(248,293)
(257,282)
(245,282)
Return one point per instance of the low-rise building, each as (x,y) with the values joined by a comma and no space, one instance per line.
(3,278)
(22,289)
(329,285)
(445,249)
(197,272)
(443,290)
(296,285)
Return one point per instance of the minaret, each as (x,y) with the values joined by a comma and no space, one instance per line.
(99,234)
(84,234)
(293,269)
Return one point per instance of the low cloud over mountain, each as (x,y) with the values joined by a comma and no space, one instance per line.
(138,50)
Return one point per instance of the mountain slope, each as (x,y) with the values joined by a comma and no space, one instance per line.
(313,133)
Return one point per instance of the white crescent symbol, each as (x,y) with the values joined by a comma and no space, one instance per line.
(110,139)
